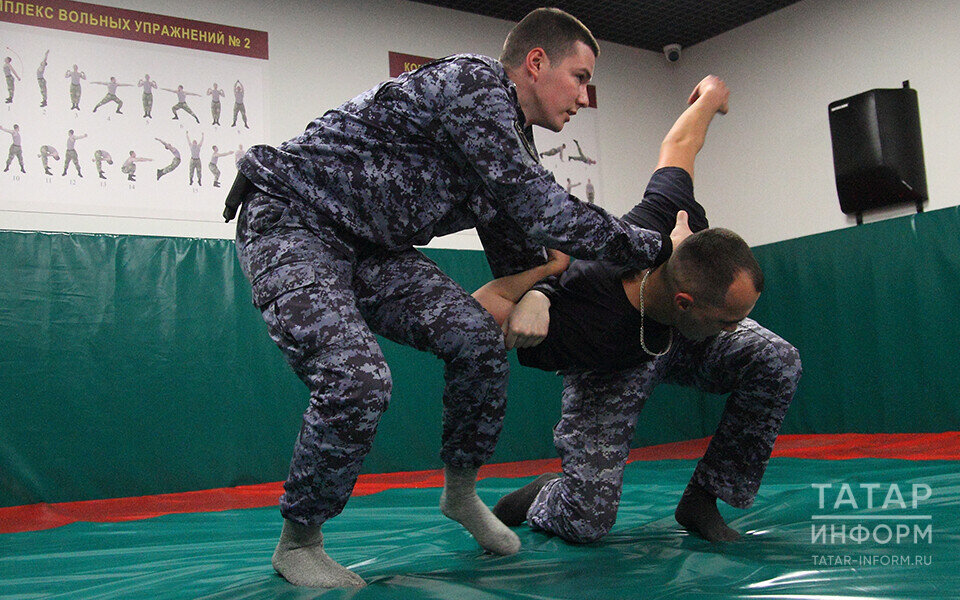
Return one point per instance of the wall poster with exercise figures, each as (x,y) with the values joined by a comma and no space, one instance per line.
(121,113)
(573,155)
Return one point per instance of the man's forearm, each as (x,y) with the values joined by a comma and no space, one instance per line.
(686,137)
(688,134)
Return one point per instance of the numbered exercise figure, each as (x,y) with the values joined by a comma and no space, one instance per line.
(148,87)
(215,93)
(173,164)
(580,156)
(100,157)
(195,166)
(129,166)
(111,96)
(47,152)
(71,154)
(238,107)
(75,75)
(554,151)
(213,165)
(41,80)
(9,73)
(182,102)
(16,150)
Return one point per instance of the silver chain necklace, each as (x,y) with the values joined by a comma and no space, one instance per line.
(643,345)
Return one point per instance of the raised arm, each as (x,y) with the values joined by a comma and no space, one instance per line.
(686,137)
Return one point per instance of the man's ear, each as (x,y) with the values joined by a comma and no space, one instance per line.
(683,301)
(535,61)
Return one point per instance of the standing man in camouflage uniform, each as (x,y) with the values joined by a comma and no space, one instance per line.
(182,102)
(326,236)
(213,164)
(238,108)
(100,157)
(16,147)
(41,80)
(9,73)
(615,333)
(148,87)
(71,153)
(195,165)
(215,94)
(111,96)
(75,75)
(46,152)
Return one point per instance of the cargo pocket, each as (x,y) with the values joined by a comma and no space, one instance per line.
(280,280)
(264,213)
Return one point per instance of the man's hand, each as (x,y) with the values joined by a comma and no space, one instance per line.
(557,262)
(713,90)
(529,322)
(681,230)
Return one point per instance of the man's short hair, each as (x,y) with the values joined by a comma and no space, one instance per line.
(553,30)
(706,263)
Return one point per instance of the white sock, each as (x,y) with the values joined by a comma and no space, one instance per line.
(301,560)
(459,501)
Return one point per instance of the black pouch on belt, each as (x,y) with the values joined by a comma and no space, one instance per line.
(238,191)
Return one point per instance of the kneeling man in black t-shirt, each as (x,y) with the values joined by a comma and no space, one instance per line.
(614,334)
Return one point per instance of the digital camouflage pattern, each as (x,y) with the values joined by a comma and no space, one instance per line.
(324,295)
(436,151)
(759,370)
(327,243)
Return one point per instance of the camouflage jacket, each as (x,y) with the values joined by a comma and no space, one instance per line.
(439,150)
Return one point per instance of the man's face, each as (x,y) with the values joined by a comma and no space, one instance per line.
(702,320)
(560,90)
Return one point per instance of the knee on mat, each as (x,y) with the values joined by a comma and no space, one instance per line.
(589,527)
(591,517)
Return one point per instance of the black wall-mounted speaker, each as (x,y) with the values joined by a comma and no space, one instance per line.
(877,150)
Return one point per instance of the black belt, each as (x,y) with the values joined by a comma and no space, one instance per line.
(238,191)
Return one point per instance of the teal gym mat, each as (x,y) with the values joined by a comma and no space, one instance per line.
(401,544)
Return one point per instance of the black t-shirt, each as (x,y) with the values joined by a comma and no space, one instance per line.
(593,325)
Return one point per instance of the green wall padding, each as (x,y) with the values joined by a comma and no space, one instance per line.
(875,313)
(135,365)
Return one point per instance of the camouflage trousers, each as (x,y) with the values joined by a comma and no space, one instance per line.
(16,151)
(323,295)
(195,168)
(107,99)
(147,104)
(183,106)
(759,370)
(71,156)
(169,168)
(215,112)
(75,95)
(239,109)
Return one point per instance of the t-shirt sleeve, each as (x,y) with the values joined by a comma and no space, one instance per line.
(669,191)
